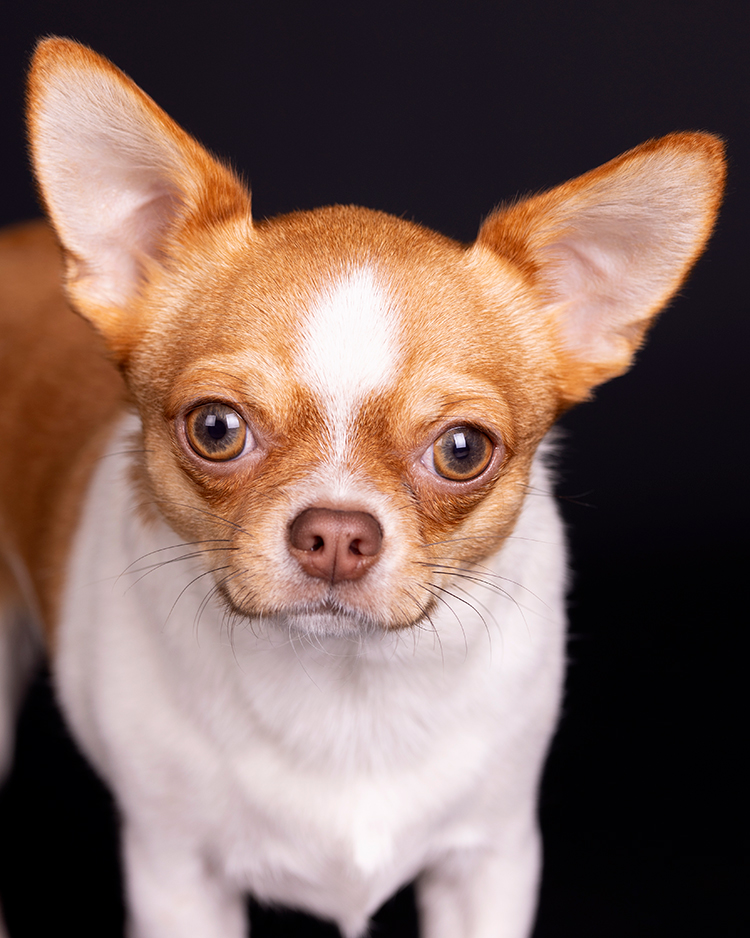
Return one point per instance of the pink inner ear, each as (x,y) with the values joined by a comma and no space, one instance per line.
(614,267)
(600,305)
(117,241)
(151,221)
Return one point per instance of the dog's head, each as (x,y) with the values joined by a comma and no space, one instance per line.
(346,402)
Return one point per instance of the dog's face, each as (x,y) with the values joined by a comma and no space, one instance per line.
(345,405)
(343,362)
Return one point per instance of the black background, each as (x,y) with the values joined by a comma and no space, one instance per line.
(437,111)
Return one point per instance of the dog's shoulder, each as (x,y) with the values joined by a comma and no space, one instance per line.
(57,395)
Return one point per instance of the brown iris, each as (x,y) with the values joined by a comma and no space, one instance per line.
(216,432)
(462,453)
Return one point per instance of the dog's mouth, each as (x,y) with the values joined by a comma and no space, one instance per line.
(329,615)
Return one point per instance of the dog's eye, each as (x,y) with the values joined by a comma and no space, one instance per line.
(461,453)
(216,432)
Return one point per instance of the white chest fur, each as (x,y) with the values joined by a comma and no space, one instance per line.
(315,774)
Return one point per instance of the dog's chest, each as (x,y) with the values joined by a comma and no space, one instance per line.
(335,826)
(319,770)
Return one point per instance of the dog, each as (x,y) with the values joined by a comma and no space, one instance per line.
(277,503)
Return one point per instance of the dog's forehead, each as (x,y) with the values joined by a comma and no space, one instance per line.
(348,346)
(350,339)
(340,307)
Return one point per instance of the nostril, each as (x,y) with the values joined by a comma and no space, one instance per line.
(335,545)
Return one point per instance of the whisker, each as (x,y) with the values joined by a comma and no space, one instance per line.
(151,568)
(489,613)
(178,546)
(479,602)
(432,588)
(202,511)
(215,589)
(466,602)
(424,609)
(576,499)
(505,594)
(484,579)
(481,574)
(188,585)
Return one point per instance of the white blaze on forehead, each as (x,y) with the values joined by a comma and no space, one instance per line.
(350,346)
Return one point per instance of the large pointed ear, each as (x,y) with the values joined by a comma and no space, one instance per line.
(609,249)
(121,181)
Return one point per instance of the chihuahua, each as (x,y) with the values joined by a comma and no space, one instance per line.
(282,518)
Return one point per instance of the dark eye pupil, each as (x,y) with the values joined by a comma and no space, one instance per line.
(216,427)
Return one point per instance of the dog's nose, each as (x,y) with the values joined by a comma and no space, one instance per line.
(335,545)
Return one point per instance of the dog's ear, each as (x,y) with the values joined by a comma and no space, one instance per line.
(122,182)
(609,249)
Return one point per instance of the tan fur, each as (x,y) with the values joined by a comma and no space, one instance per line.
(59,390)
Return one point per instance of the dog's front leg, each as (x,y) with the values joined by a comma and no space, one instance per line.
(482,893)
(173,893)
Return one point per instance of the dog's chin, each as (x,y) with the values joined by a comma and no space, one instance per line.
(323,620)
(326,623)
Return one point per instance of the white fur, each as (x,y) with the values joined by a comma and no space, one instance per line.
(322,774)
(349,346)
